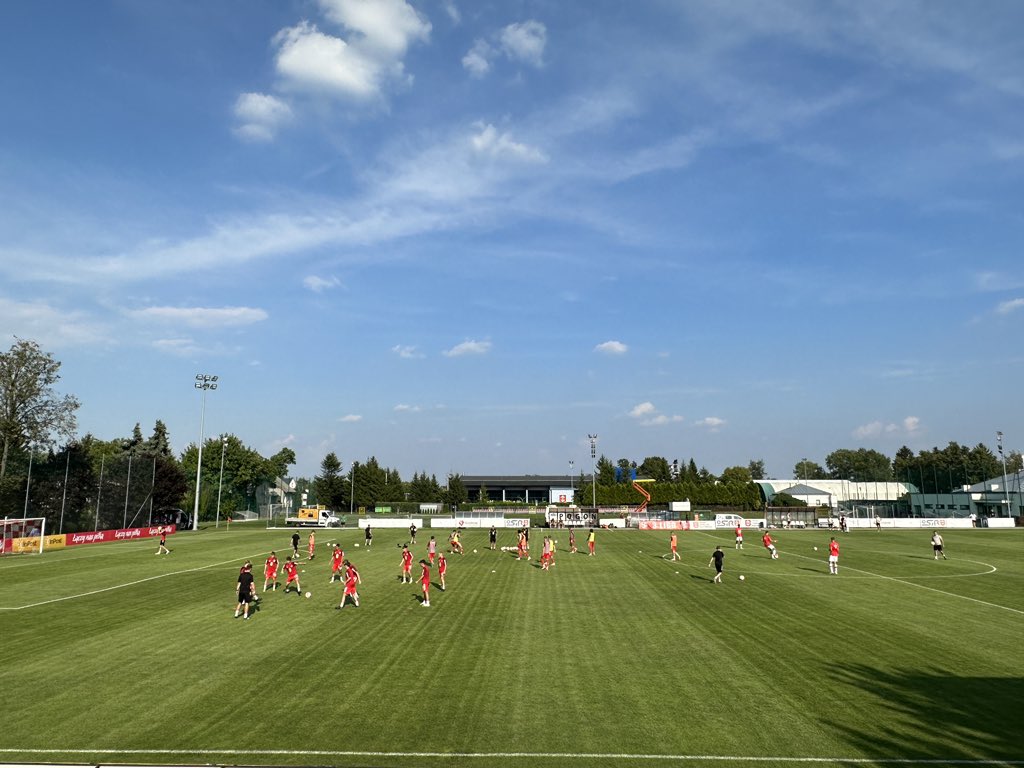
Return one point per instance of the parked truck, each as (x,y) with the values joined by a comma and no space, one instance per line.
(318,516)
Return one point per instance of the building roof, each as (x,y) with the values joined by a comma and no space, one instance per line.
(803,490)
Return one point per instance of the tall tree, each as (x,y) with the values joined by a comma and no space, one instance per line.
(735,475)
(656,468)
(329,485)
(862,465)
(805,469)
(756,469)
(30,410)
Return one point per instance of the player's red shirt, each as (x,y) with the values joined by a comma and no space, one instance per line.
(336,557)
(739,532)
(767,539)
(833,548)
(425,577)
(270,569)
(351,580)
(291,570)
(674,540)
(442,565)
(406,560)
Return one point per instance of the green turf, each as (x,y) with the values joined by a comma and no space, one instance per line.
(605,660)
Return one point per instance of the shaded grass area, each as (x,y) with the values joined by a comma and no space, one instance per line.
(620,654)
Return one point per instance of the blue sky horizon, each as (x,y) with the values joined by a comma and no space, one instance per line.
(461,237)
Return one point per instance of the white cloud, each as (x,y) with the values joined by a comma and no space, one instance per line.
(660,420)
(351,418)
(407,352)
(478,60)
(612,348)
(260,116)
(909,426)
(357,67)
(48,325)
(319,284)
(388,26)
(201,317)
(405,408)
(452,10)
(1007,307)
(525,42)
(469,348)
(309,59)
(711,422)
(489,142)
(650,417)
(643,409)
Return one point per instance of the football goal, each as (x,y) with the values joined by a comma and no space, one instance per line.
(22,535)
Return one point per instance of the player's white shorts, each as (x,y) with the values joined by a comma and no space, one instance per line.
(833,558)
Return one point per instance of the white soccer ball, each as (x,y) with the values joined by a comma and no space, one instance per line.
(310,594)
(474,551)
(815,549)
(742,577)
(357,546)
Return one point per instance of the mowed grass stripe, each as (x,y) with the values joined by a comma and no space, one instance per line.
(611,655)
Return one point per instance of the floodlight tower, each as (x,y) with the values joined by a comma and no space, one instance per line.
(205,382)
(1006,492)
(593,477)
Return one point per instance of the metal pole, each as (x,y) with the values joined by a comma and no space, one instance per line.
(204,382)
(127,488)
(220,485)
(28,482)
(1006,492)
(593,477)
(352,489)
(99,493)
(64,497)
(152,489)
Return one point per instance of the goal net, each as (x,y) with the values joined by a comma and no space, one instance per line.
(22,536)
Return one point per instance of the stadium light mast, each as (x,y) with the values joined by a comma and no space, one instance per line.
(205,382)
(571,465)
(593,477)
(1006,492)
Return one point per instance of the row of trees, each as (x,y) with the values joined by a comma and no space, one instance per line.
(84,478)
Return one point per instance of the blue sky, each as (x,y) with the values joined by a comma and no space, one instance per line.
(461,236)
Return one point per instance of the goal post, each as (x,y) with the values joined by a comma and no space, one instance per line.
(23,535)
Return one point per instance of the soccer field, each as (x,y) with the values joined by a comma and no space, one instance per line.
(112,654)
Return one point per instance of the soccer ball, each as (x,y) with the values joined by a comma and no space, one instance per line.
(815,549)
(474,551)
(310,594)
(357,546)
(742,577)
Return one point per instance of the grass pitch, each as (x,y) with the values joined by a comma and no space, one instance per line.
(112,654)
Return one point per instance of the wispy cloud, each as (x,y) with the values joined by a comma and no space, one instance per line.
(260,116)
(50,325)
(1007,307)
(612,348)
(201,317)
(405,408)
(713,423)
(407,352)
(319,284)
(469,348)
(351,418)
(648,415)
(521,42)
(909,426)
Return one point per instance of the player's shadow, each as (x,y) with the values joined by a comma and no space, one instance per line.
(932,712)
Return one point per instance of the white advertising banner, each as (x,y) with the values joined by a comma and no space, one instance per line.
(571,518)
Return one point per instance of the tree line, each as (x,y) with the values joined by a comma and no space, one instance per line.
(86,482)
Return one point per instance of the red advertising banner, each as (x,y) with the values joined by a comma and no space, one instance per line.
(664,525)
(120,534)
